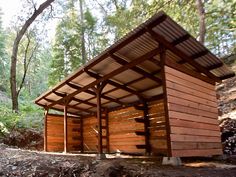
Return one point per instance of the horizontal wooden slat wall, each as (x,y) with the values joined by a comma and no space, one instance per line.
(90,131)
(157,127)
(122,128)
(55,133)
(193,114)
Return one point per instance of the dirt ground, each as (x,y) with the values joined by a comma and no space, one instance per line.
(17,162)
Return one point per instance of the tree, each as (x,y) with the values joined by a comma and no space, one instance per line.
(20,34)
(3,58)
(76,41)
(202,25)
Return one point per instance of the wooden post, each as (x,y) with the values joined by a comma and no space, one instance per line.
(98,91)
(167,124)
(107,131)
(146,128)
(99,118)
(45,130)
(81,135)
(65,129)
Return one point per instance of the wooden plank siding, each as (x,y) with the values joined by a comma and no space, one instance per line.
(157,127)
(55,133)
(122,128)
(90,132)
(192,108)
(123,125)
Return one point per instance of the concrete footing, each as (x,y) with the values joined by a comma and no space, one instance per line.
(175,161)
(101,156)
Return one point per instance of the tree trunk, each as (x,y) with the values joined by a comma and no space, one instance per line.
(202,25)
(82,32)
(20,34)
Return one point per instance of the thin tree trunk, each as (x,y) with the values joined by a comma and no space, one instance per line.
(20,34)
(202,24)
(82,33)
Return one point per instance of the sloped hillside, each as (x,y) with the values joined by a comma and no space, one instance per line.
(226,92)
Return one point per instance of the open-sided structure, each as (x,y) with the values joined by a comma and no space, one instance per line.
(152,92)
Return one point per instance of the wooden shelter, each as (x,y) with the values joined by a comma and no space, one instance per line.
(152,92)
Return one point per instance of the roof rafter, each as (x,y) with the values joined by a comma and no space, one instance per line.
(70,106)
(159,38)
(135,68)
(116,84)
(94,94)
(195,56)
(123,68)
(181,39)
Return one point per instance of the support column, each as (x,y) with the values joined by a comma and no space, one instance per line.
(99,119)
(146,128)
(167,124)
(81,135)
(98,91)
(65,129)
(45,143)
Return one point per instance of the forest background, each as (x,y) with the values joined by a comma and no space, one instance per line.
(84,28)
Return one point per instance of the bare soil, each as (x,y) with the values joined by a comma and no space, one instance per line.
(18,162)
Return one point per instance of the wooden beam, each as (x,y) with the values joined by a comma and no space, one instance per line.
(107,130)
(45,131)
(116,84)
(227,76)
(160,39)
(110,75)
(167,124)
(181,39)
(195,56)
(83,101)
(74,99)
(70,106)
(98,91)
(72,85)
(193,73)
(159,18)
(81,135)
(65,130)
(215,66)
(59,94)
(136,68)
(146,128)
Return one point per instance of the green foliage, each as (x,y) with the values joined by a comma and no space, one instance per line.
(67,47)
(4,63)
(29,117)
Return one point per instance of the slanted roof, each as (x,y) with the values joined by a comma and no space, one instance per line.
(131,68)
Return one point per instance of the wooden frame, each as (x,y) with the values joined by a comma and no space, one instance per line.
(102,87)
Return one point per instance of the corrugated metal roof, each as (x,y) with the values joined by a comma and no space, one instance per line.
(130,73)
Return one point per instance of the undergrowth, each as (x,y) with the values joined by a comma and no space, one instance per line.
(30,116)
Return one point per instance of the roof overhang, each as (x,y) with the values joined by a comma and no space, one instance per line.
(131,68)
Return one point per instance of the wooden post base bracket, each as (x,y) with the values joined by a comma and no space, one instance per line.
(174,161)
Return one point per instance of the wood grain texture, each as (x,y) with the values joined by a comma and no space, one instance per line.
(55,133)
(193,114)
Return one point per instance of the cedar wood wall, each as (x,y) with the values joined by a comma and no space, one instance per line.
(192,109)
(122,128)
(55,133)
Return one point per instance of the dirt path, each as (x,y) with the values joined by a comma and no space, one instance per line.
(16,162)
